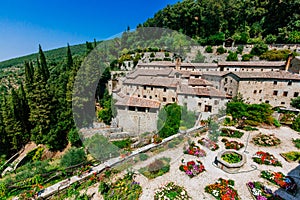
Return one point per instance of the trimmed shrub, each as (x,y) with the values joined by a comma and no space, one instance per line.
(209,49)
(221,50)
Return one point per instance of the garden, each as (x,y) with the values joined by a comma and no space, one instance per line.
(232,144)
(291,156)
(231,157)
(157,168)
(192,168)
(266,158)
(211,145)
(261,192)
(285,182)
(266,140)
(194,150)
(226,132)
(223,189)
(171,191)
(124,188)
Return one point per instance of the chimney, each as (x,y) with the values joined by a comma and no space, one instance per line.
(288,62)
(178,63)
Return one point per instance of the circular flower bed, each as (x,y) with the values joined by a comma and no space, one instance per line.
(261,192)
(266,158)
(192,168)
(211,145)
(171,191)
(223,189)
(281,180)
(231,157)
(195,150)
(266,140)
(232,144)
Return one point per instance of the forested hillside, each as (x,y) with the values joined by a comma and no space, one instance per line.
(247,21)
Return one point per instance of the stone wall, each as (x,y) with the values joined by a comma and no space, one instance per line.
(137,122)
(279,94)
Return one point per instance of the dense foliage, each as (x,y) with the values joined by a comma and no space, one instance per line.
(246,21)
(169,120)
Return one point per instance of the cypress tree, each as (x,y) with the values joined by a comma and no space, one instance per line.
(44,67)
(69,58)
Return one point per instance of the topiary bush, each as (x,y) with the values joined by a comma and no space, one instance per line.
(259,49)
(221,50)
(209,49)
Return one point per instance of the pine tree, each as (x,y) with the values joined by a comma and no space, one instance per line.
(24,110)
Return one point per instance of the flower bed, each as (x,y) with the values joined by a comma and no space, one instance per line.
(281,180)
(211,145)
(231,133)
(292,156)
(266,158)
(266,140)
(171,191)
(232,144)
(297,143)
(157,168)
(125,188)
(223,189)
(231,157)
(192,168)
(261,192)
(194,150)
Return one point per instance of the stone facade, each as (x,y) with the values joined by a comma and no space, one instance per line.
(274,87)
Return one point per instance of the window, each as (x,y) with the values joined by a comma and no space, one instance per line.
(282,103)
(275,83)
(216,87)
(235,69)
(225,79)
(164,99)
(207,108)
(255,91)
(145,87)
(230,81)
(290,83)
(260,91)
(296,94)
(140,109)
(173,99)
(267,101)
(156,95)
(131,108)
(150,97)
(165,89)
(260,100)
(197,76)
(227,69)
(262,70)
(145,96)
(225,89)
(285,93)
(275,92)
(199,104)
(139,95)
(151,88)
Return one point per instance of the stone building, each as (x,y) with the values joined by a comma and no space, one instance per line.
(274,87)
(261,66)
(142,93)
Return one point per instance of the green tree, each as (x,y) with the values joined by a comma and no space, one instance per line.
(259,49)
(296,102)
(169,120)
(72,157)
(232,56)
(44,68)
(199,58)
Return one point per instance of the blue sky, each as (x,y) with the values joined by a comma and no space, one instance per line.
(53,23)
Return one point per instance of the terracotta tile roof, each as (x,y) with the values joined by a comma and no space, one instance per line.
(199,82)
(215,73)
(200,65)
(153,81)
(283,75)
(150,72)
(138,102)
(201,91)
(254,64)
